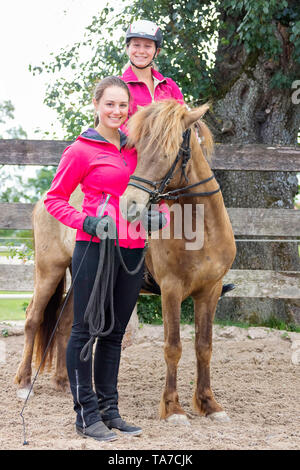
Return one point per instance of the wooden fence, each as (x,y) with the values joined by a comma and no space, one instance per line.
(247,222)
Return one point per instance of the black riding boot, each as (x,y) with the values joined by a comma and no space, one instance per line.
(106,369)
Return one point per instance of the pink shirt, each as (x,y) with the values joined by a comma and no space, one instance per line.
(100,169)
(165,89)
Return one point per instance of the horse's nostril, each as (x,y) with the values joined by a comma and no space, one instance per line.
(132,212)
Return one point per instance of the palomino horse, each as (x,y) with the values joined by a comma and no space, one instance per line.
(156,132)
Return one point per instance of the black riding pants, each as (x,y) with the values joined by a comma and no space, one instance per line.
(100,403)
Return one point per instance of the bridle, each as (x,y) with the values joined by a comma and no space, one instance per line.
(158,193)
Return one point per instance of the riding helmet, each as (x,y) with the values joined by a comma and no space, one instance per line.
(145,29)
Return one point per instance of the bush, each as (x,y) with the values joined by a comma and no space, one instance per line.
(149,310)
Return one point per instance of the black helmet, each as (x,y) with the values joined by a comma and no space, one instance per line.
(145,29)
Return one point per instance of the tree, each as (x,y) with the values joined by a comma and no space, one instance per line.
(30,191)
(257,63)
(7,113)
(257,44)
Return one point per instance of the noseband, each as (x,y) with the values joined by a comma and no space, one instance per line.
(157,193)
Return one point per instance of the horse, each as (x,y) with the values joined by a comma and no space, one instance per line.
(54,245)
(180,270)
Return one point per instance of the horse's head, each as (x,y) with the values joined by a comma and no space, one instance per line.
(156,132)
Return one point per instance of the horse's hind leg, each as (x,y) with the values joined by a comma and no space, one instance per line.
(43,291)
(60,377)
(23,375)
(170,408)
(203,400)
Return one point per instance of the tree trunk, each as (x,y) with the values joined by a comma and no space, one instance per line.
(253,112)
(248,110)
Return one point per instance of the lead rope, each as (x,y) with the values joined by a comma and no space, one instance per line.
(95,312)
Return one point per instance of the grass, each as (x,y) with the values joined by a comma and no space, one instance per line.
(13,309)
(272,322)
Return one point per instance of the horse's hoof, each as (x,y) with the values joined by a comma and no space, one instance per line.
(181,420)
(61,385)
(22,393)
(220,417)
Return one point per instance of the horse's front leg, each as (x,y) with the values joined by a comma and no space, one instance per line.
(205,307)
(170,408)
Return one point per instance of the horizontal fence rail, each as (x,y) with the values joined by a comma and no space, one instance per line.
(249,283)
(226,157)
(245,221)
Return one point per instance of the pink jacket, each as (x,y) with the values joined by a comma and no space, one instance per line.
(165,88)
(100,169)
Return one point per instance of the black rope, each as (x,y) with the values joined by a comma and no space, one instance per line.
(104,282)
(95,313)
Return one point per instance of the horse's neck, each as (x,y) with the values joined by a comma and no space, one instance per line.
(200,170)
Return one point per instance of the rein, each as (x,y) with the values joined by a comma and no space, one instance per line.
(158,193)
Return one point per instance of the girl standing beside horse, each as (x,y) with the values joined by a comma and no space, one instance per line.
(101,163)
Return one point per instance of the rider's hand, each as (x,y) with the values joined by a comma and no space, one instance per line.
(98,227)
(153,220)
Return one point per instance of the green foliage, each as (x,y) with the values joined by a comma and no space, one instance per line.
(12,310)
(189,29)
(41,182)
(191,32)
(29,191)
(24,252)
(19,244)
(7,113)
(257,24)
(277,324)
(149,310)
(258,32)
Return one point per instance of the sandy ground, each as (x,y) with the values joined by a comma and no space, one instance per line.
(255,375)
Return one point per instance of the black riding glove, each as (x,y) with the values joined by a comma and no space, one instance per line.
(99,227)
(153,220)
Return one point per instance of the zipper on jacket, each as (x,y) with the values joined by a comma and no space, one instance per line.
(77,396)
(124,161)
(156,83)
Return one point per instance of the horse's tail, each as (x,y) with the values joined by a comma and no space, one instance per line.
(47,326)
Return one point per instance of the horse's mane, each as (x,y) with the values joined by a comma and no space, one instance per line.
(159,126)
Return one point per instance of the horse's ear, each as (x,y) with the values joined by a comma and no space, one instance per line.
(195,115)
